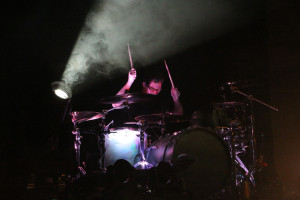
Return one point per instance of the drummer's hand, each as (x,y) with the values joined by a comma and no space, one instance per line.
(175,94)
(131,75)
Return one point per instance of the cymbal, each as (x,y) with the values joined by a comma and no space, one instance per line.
(228,104)
(82,116)
(128,97)
(170,118)
(140,123)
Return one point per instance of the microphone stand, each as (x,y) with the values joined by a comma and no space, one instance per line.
(251,98)
(252,128)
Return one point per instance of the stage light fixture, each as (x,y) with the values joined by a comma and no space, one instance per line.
(61,89)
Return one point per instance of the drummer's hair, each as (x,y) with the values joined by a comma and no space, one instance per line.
(154,76)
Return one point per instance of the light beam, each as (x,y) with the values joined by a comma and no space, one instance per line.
(154,29)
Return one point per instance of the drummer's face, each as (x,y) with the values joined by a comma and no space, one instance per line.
(153,88)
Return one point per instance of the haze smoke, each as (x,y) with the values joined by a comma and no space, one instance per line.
(154,29)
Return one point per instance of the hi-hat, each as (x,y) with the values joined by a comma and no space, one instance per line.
(82,116)
(128,98)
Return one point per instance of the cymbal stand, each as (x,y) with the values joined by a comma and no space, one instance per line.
(165,113)
(163,125)
(104,129)
(239,171)
(143,164)
(77,144)
(101,140)
(234,181)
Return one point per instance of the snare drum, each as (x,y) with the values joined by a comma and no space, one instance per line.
(122,143)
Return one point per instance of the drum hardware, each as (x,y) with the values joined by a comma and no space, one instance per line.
(252,140)
(223,131)
(162,117)
(82,171)
(228,104)
(246,172)
(83,116)
(229,116)
(132,123)
(106,128)
(235,124)
(238,140)
(128,98)
(150,149)
(144,123)
(77,144)
(143,164)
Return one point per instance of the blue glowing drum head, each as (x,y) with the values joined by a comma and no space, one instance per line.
(122,143)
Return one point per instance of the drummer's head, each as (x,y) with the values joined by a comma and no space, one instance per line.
(153,83)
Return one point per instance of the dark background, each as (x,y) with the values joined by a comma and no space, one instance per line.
(39,36)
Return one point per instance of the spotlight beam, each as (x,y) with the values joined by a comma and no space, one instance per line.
(154,29)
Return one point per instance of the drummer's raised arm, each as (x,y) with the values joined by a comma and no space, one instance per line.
(127,86)
(178,109)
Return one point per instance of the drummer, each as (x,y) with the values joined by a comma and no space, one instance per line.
(152,84)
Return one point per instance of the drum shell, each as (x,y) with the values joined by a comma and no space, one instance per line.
(122,143)
(208,169)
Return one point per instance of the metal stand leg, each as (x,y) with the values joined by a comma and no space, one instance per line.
(234,181)
(77,143)
(101,144)
(101,141)
(143,164)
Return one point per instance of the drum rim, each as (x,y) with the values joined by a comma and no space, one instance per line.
(197,127)
(187,130)
(172,140)
(124,128)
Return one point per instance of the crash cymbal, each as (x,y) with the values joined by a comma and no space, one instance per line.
(169,118)
(128,98)
(82,116)
(228,104)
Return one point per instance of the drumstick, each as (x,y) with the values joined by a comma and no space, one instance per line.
(131,64)
(169,74)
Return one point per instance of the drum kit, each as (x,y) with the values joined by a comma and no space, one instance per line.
(128,143)
(206,158)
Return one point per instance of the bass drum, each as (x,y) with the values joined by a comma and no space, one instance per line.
(200,159)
